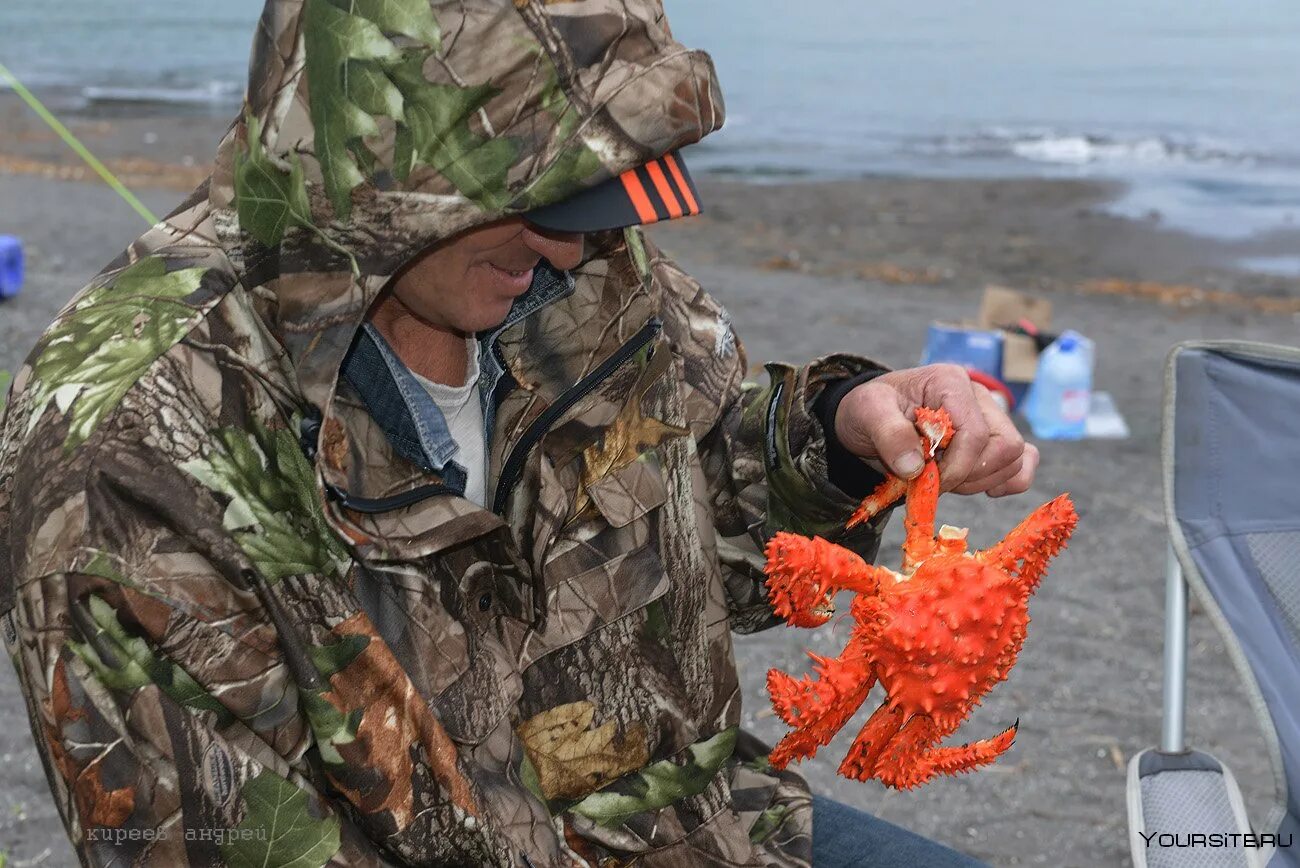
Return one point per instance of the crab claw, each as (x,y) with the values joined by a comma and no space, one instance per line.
(803,576)
(936,425)
(787,692)
(795,589)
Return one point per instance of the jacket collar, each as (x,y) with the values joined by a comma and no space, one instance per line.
(410,419)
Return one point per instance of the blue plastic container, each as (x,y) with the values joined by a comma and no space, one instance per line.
(11,266)
(1058,401)
(970,348)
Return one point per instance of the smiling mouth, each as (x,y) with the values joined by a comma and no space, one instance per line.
(513,281)
(510,272)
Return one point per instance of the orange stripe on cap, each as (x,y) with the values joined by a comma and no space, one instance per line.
(684,187)
(665,189)
(637,193)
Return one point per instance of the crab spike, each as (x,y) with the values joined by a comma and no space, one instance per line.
(1035,541)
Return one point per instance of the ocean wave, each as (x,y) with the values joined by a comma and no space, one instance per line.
(213,93)
(1083,149)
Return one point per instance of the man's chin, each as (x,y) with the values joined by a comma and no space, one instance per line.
(490,317)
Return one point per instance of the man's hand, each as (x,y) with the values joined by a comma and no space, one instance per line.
(987,454)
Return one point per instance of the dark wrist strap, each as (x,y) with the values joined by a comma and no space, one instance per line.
(847,472)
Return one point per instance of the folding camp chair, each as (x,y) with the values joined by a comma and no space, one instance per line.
(1231,456)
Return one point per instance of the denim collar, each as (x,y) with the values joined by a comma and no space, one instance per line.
(410,419)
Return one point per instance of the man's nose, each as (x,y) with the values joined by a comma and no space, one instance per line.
(562,249)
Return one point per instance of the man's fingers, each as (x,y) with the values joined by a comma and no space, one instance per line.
(1023,479)
(1003,453)
(990,481)
(961,458)
(874,424)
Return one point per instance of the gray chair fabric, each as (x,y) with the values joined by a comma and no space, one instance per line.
(1179,796)
(1196,800)
(1232,488)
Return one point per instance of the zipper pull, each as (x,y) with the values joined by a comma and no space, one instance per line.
(309,432)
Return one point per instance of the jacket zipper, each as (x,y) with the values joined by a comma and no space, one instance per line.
(513,467)
(373,505)
(309,431)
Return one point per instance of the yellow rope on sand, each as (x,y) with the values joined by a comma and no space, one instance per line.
(73,142)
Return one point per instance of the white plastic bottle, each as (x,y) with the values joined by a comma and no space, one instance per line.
(1057,405)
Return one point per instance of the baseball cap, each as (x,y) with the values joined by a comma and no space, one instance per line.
(661,189)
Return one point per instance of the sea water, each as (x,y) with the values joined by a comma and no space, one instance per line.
(1195,103)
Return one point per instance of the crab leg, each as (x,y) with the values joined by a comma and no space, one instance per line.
(818,707)
(860,762)
(1035,541)
(796,701)
(954,760)
(877,501)
(902,767)
(912,763)
(803,574)
(922,497)
(922,492)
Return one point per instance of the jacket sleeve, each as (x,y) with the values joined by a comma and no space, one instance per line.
(148,767)
(168,719)
(771,461)
(186,707)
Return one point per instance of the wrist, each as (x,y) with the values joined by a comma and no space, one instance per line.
(848,472)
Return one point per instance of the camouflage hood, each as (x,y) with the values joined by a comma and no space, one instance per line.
(373,129)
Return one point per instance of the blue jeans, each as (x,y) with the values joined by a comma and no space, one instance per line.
(844,837)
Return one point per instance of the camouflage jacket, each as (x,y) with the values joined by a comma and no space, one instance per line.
(251,632)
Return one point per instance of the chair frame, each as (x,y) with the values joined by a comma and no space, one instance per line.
(1182,574)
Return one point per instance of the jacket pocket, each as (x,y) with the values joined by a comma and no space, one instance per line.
(631,493)
(598,546)
(606,565)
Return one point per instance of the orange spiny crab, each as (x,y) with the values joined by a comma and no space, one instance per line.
(938,637)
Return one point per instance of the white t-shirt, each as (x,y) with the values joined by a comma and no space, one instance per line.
(463,411)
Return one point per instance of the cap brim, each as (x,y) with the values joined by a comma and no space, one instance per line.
(662,189)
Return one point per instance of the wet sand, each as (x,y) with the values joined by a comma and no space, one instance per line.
(859,265)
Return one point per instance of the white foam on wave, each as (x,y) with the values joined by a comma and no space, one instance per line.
(212,93)
(1085,149)
(1082,150)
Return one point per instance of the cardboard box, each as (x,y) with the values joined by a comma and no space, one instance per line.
(1004,309)
(969,342)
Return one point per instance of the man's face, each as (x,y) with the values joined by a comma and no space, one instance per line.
(469,282)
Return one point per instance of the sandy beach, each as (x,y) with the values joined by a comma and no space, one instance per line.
(862,265)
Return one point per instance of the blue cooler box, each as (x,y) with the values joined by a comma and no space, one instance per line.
(11,266)
(970,348)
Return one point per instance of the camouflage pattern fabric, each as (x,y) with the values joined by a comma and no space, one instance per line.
(225,663)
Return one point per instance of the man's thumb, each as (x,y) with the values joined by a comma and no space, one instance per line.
(870,425)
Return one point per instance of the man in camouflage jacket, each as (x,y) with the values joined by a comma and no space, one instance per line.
(251,631)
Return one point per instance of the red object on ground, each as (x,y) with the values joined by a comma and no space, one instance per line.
(994,385)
